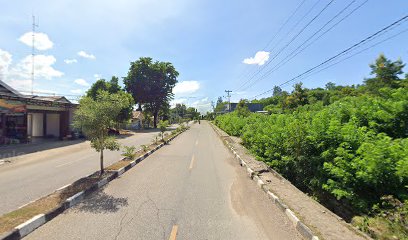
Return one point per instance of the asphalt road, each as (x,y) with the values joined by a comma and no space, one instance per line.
(31,176)
(191,189)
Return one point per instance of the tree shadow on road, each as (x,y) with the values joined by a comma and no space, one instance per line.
(100,202)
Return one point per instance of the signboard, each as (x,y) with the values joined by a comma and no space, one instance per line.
(11,106)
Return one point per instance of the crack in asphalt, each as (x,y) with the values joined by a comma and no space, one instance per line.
(158,210)
(157,215)
(121,226)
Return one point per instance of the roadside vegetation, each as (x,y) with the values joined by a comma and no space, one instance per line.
(56,199)
(346,146)
(96,116)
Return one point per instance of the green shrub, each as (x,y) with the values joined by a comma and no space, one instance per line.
(129,152)
(354,150)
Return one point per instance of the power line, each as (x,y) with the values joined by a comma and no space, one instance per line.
(290,42)
(49,93)
(281,39)
(359,52)
(369,38)
(295,52)
(276,34)
(284,24)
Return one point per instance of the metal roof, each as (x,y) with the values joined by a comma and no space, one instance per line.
(7,92)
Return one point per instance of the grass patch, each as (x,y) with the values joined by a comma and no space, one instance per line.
(380,228)
(118,165)
(45,204)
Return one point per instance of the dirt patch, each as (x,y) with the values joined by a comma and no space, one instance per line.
(43,205)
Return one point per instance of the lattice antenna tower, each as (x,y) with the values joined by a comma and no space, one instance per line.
(34,25)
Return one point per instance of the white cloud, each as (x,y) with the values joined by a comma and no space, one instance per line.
(186,87)
(77,91)
(260,58)
(47,91)
(203,105)
(20,84)
(42,67)
(5,61)
(70,61)
(19,75)
(86,55)
(177,101)
(81,82)
(97,76)
(41,40)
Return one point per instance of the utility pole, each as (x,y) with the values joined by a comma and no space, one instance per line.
(229,99)
(33,55)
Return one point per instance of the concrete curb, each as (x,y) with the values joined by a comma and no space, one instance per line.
(305,231)
(29,226)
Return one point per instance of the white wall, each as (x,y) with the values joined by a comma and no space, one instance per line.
(37,124)
(53,124)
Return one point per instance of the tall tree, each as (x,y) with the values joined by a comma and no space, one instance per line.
(386,74)
(95,116)
(180,110)
(192,113)
(298,97)
(242,108)
(277,91)
(112,87)
(151,84)
(220,105)
(99,85)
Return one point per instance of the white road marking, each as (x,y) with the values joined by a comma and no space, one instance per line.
(173,233)
(192,162)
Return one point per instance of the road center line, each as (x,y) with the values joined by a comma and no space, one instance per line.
(192,162)
(173,233)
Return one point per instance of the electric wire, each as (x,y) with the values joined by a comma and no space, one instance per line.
(369,38)
(290,42)
(295,52)
(246,72)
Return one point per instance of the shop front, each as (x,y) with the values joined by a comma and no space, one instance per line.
(24,118)
(13,121)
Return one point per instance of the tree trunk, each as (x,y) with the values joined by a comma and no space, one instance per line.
(101,162)
(155,119)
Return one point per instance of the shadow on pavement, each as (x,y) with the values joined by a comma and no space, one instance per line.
(100,202)
(15,150)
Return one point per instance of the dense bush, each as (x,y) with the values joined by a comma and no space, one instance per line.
(356,149)
(345,145)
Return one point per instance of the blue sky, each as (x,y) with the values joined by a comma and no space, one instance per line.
(207,41)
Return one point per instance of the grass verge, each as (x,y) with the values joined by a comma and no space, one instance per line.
(54,200)
(45,204)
